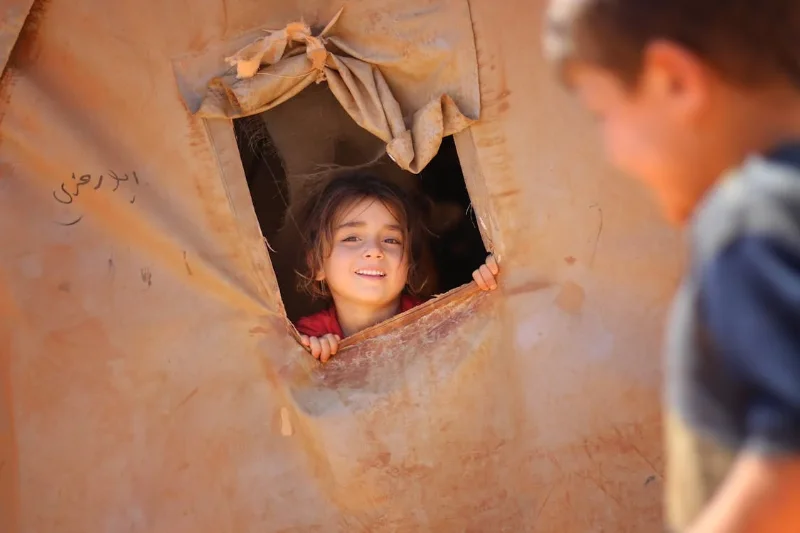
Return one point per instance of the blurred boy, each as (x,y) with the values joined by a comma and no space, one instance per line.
(700,100)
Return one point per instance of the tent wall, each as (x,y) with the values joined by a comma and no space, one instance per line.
(14,13)
(149,380)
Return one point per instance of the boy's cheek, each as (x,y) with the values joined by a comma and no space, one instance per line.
(644,150)
(636,151)
(625,150)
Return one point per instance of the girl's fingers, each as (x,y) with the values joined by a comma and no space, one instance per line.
(488,277)
(333,341)
(325,354)
(491,262)
(316,348)
(322,348)
(478,277)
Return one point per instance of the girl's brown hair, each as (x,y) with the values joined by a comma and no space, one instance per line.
(318,213)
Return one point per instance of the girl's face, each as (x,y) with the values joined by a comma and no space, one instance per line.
(368,262)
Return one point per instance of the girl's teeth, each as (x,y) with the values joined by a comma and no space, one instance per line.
(369,273)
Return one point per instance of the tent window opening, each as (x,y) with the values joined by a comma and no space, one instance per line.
(292,146)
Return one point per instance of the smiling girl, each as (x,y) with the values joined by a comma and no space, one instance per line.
(364,239)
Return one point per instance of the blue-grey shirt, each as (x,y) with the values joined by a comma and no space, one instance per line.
(733,345)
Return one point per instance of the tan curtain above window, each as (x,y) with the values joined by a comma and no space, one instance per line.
(276,67)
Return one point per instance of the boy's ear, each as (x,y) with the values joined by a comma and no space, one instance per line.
(676,77)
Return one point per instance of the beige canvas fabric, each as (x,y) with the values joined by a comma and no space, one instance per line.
(13,16)
(149,381)
(293,58)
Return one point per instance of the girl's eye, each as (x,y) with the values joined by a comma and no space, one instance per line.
(351,238)
(392,240)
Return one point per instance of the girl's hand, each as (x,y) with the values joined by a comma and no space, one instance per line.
(322,348)
(485,276)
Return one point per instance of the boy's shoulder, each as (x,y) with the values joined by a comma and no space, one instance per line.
(746,268)
(759,201)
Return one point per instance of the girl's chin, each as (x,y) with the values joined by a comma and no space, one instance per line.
(378,301)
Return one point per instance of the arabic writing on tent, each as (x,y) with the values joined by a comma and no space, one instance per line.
(71,190)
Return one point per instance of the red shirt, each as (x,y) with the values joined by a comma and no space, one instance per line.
(326,321)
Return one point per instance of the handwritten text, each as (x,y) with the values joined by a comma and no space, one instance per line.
(87,183)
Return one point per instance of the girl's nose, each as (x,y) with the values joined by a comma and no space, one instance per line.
(373,251)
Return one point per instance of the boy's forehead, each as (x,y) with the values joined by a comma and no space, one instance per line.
(592,81)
